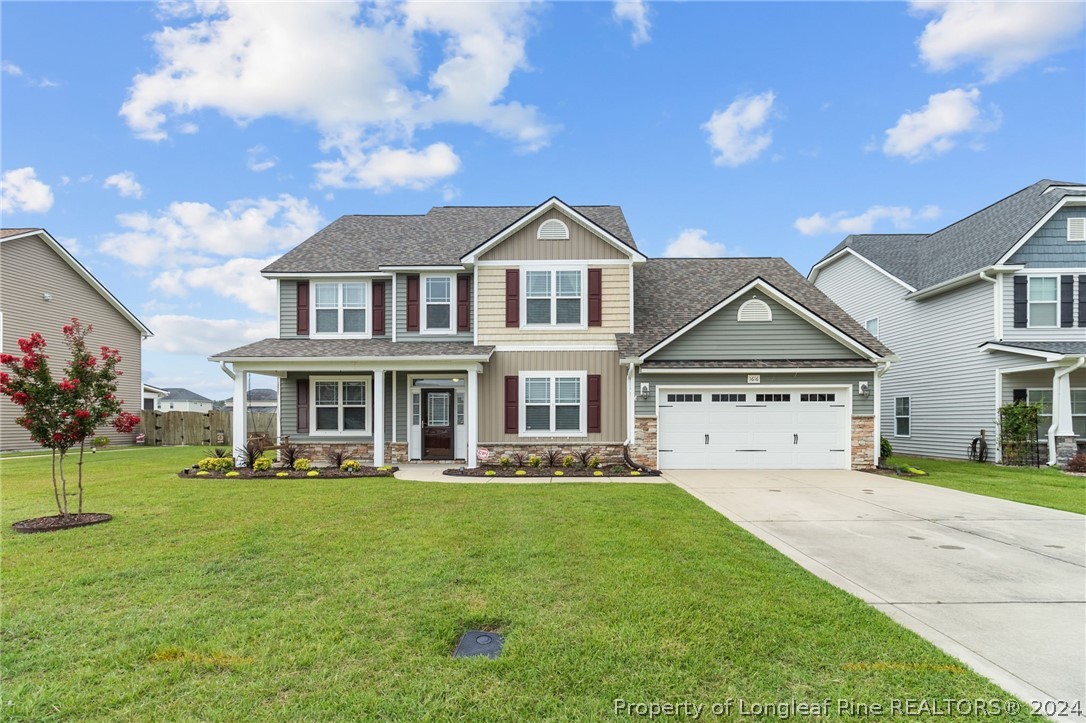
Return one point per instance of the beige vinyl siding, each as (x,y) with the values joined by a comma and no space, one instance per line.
(491,310)
(1074,333)
(787,336)
(950,381)
(25,311)
(582,244)
(861,405)
(502,364)
(402,334)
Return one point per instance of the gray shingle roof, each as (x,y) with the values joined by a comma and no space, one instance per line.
(759,364)
(1053,347)
(670,293)
(343,348)
(440,237)
(975,242)
(180,394)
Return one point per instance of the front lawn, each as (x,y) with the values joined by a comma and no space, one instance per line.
(341,599)
(1031,485)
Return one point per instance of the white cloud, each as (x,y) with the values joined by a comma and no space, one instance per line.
(260,159)
(9,68)
(1001,37)
(691,243)
(181,334)
(20,190)
(636,13)
(902,217)
(126,184)
(361,79)
(387,168)
(237,279)
(932,129)
(737,134)
(192,233)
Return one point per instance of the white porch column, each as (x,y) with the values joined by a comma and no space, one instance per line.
(378,417)
(238,433)
(1061,406)
(473,419)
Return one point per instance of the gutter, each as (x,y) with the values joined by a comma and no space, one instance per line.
(226,370)
(981,275)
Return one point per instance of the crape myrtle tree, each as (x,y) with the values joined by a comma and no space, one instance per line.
(62,415)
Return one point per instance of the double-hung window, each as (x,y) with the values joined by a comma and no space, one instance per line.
(339,308)
(1042,397)
(439,293)
(1044,301)
(1078,412)
(340,405)
(903,418)
(553,404)
(554,297)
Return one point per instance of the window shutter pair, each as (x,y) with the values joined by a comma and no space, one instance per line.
(512,407)
(1020,301)
(512,297)
(1067,301)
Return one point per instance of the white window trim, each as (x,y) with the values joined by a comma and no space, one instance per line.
(1030,303)
(451,328)
(554,298)
(367,295)
(908,416)
(522,403)
(367,389)
(877,329)
(1043,428)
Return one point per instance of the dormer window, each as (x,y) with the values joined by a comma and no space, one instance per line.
(755,310)
(553,230)
(339,308)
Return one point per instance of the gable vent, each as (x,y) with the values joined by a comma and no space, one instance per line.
(553,230)
(1076,229)
(755,310)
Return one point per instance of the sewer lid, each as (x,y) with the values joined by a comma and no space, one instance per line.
(479,642)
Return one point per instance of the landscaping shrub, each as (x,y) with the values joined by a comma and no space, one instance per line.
(262,464)
(101,442)
(594,462)
(1077,463)
(350,466)
(568,460)
(518,459)
(301,464)
(337,457)
(554,456)
(535,460)
(886,450)
(505,462)
(253,450)
(1018,432)
(216,464)
(218,453)
(584,456)
(289,454)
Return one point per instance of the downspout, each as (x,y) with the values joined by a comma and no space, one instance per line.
(630,401)
(880,370)
(226,370)
(1056,410)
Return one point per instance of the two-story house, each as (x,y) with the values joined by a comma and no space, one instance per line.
(436,336)
(989,310)
(42,286)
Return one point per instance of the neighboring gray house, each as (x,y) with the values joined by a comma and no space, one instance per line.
(151,395)
(257,401)
(989,310)
(42,287)
(179,399)
(441,335)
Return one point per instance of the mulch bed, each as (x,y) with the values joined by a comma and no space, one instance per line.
(323,473)
(543,472)
(61,522)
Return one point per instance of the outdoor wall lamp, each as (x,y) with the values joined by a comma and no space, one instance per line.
(644,390)
(865,389)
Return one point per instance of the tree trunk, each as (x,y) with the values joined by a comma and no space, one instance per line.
(82,442)
(63,486)
(56,490)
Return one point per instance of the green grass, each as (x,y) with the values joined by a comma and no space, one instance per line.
(1031,485)
(342,600)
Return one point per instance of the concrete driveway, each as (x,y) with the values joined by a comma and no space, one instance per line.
(999,585)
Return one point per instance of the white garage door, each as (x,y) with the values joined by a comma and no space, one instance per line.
(787,428)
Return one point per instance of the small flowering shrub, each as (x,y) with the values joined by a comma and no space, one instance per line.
(312,473)
(597,473)
(490,473)
(534,460)
(351,466)
(520,473)
(301,464)
(594,462)
(506,461)
(568,460)
(233,473)
(202,473)
(558,473)
(216,464)
(282,474)
(262,464)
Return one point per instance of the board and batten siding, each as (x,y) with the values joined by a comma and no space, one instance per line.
(491,310)
(581,244)
(502,364)
(29,268)
(1049,247)
(787,336)
(402,334)
(950,381)
(1059,333)
(861,405)
(288,309)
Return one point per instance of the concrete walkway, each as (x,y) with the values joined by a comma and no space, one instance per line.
(997,584)
(422,472)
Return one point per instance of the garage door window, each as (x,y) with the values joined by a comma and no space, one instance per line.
(684,397)
(902,416)
(772,397)
(820,397)
(729,397)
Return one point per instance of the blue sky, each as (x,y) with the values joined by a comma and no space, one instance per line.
(176,148)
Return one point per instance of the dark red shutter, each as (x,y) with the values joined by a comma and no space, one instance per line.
(303,406)
(512,297)
(1067,301)
(303,308)
(413,302)
(1082,300)
(1020,303)
(595,297)
(594,383)
(512,419)
(463,302)
(378,308)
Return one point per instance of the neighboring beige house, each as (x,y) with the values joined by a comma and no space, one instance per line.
(505,329)
(179,399)
(42,287)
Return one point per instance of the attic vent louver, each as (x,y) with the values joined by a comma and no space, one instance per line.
(755,310)
(553,230)
(1076,229)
